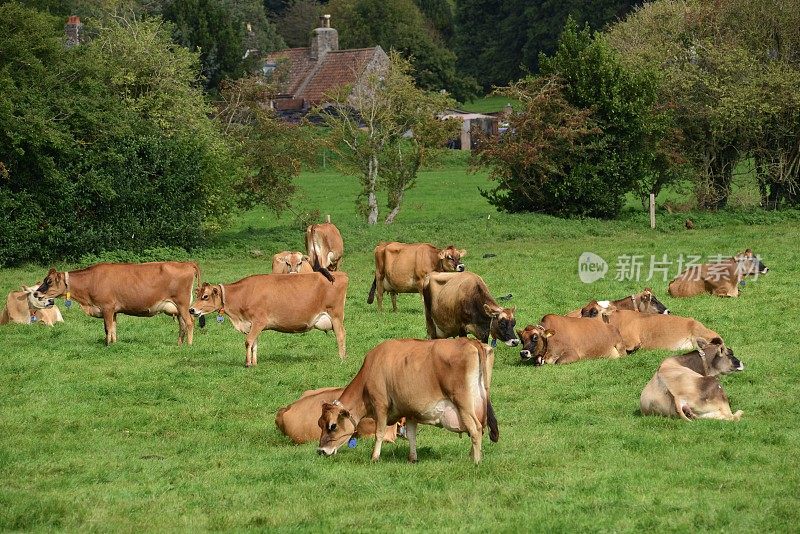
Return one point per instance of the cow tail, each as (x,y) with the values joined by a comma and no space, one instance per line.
(371,296)
(197,273)
(427,299)
(491,418)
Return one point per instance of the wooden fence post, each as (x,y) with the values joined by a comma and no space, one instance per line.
(652,210)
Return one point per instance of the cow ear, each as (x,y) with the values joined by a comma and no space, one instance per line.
(215,291)
(701,343)
(345,414)
(548,333)
(442,254)
(716,341)
(462,252)
(748,252)
(519,334)
(489,310)
(648,290)
(326,406)
(51,271)
(306,259)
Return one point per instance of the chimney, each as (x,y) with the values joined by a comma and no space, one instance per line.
(323,39)
(72,30)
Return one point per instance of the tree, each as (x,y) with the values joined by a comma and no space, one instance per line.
(368,125)
(297,21)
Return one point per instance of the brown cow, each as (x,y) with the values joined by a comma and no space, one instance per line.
(288,262)
(688,386)
(289,304)
(457,304)
(140,289)
(299,420)
(325,248)
(23,308)
(443,382)
(402,268)
(644,302)
(569,339)
(720,278)
(651,331)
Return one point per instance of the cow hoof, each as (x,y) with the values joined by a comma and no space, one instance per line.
(412,460)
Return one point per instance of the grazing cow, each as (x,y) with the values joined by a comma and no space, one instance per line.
(650,331)
(569,339)
(288,262)
(23,308)
(325,248)
(140,289)
(721,278)
(644,302)
(289,304)
(299,420)
(688,386)
(457,304)
(402,268)
(443,382)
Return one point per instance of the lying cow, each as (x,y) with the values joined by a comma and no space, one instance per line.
(289,304)
(299,420)
(402,268)
(721,279)
(142,289)
(288,262)
(688,386)
(562,340)
(650,331)
(644,302)
(325,247)
(23,308)
(457,304)
(443,382)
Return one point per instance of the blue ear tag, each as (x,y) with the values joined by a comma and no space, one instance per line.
(67,303)
(352,443)
(742,283)
(34,318)
(494,342)
(220,318)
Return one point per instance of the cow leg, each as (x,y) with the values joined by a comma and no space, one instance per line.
(379,289)
(109,322)
(338,329)
(394,301)
(181,329)
(187,328)
(474,429)
(255,352)
(411,434)
(569,356)
(380,422)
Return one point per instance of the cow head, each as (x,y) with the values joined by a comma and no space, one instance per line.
(208,299)
(450,259)
(337,425)
(502,323)
(717,358)
(290,262)
(534,343)
(646,302)
(598,310)
(54,285)
(749,264)
(33,301)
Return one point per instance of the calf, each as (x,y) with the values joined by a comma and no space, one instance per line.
(23,308)
(688,386)
(650,331)
(402,268)
(644,302)
(443,382)
(288,262)
(142,289)
(457,304)
(299,420)
(289,304)
(721,278)
(569,339)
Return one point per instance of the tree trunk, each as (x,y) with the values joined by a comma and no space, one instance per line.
(372,199)
(396,209)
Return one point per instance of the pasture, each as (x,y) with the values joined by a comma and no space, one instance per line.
(146,435)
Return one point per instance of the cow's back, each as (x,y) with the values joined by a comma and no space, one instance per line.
(136,287)
(406,264)
(589,338)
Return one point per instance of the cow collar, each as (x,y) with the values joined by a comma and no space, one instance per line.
(66,285)
(338,403)
(221,299)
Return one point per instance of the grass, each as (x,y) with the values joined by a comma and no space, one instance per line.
(146,435)
(488,104)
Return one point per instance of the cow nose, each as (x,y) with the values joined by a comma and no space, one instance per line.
(460,267)
(512,342)
(666,311)
(525,354)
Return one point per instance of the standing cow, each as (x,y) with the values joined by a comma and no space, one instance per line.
(325,248)
(23,308)
(142,289)
(457,304)
(443,382)
(688,386)
(289,304)
(402,268)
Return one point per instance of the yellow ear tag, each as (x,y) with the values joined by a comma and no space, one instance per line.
(68,295)
(68,301)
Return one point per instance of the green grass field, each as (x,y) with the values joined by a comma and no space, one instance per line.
(146,435)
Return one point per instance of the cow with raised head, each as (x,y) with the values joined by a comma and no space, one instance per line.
(650,331)
(688,386)
(720,278)
(402,268)
(23,308)
(442,382)
(457,304)
(288,262)
(289,304)
(298,421)
(325,248)
(141,289)
(644,302)
(563,340)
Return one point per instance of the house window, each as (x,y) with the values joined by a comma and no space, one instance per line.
(268,68)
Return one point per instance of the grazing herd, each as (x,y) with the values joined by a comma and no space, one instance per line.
(406,382)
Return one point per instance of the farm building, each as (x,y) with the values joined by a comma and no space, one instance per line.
(488,124)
